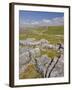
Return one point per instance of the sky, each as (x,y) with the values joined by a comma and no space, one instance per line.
(37,18)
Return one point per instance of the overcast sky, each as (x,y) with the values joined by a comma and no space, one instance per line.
(33,18)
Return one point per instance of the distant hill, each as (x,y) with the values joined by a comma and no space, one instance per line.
(55,30)
(27,29)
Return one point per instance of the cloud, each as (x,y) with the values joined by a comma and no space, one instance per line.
(54,21)
(58,21)
(45,22)
(34,22)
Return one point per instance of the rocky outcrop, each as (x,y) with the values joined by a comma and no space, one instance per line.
(27,56)
(42,44)
(48,67)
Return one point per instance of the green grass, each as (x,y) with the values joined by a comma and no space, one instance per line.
(49,34)
(55,30)
(30,72)
(50,53)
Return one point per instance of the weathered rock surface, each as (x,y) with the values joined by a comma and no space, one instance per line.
(28,56)
(46,66)
(50,68)
(58,71)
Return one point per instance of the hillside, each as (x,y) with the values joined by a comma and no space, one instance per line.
(53,34)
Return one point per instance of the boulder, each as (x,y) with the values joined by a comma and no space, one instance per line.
(56,69)
(28,55)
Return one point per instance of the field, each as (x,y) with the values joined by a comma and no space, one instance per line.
(53,34)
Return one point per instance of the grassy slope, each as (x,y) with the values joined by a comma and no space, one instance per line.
(49,34)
